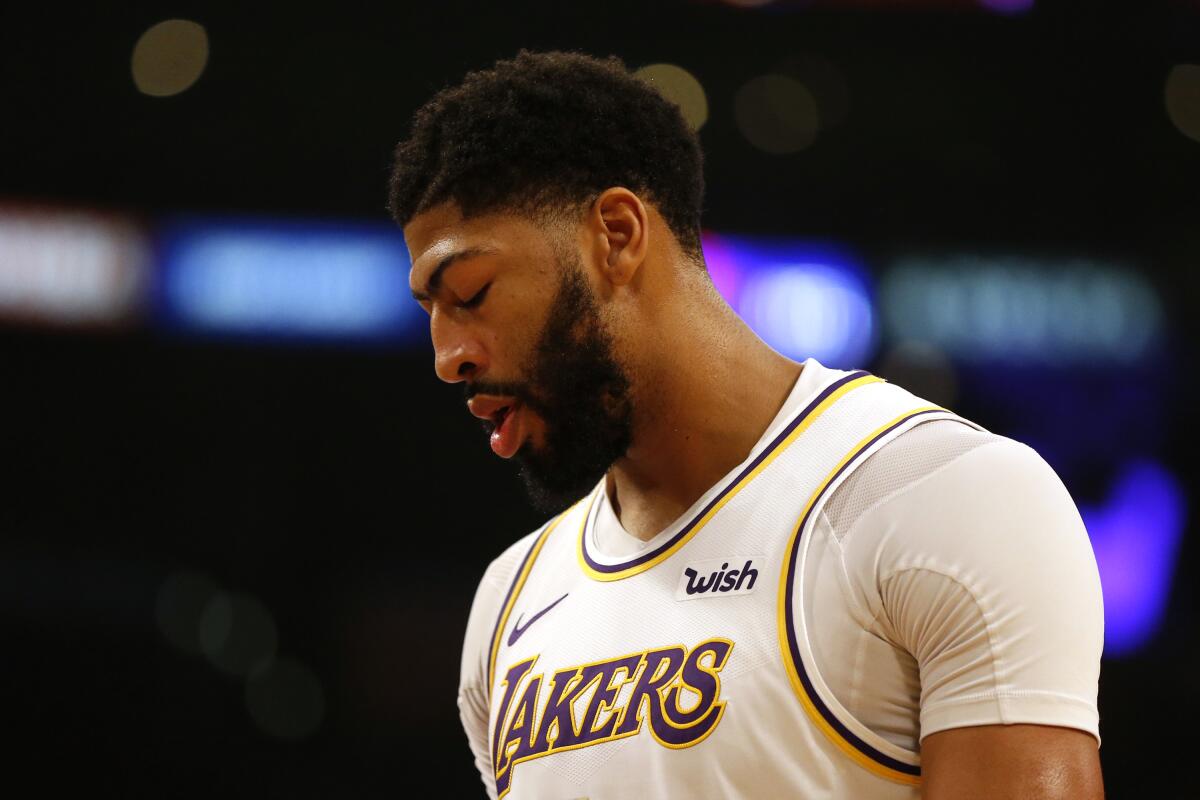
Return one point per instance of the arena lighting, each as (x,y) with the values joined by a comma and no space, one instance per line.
(1007,6)
(1136,535)
(777,114)
(281,279)
(748,3)
(1021,310)
(182,599)
(285,699)
(69,267)
(1182,98)
(680,87)
(238,636)
(237,633)
(922,369)
(169,57)
(803,299)
(999,6)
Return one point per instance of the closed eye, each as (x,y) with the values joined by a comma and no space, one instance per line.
(478,298)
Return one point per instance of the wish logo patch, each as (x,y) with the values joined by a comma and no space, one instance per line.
(719,577)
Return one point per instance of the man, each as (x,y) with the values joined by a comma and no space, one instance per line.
(759,578)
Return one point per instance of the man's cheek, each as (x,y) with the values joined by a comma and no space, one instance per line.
(537,430)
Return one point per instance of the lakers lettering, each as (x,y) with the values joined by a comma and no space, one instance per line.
(538,717)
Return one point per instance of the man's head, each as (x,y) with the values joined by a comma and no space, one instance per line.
(546,132)
(531,196)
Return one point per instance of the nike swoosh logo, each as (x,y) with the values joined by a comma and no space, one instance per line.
(519,629)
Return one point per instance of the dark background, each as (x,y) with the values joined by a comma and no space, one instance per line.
(348,490)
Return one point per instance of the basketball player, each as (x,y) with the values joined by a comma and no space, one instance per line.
(758,578)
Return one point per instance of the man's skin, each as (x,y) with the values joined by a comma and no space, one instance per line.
(704,388)
(991,762)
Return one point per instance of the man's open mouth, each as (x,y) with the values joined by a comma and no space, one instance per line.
(503,415)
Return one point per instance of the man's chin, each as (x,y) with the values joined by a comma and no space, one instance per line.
(547,501)
(551,490)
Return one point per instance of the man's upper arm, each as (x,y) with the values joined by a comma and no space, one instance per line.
(989,581)
(1006,761)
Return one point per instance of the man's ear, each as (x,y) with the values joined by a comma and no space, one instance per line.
(622,232)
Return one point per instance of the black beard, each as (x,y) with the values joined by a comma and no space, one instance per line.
(577,386)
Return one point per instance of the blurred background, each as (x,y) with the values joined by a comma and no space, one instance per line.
(242,521)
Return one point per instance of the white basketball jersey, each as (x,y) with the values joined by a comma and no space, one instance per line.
(686,670)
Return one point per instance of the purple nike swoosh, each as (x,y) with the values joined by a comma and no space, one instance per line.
(518,629)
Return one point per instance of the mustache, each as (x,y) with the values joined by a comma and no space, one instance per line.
(519,390)
(501,388)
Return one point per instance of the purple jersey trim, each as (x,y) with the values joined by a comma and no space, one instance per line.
(504,606)
(791,426)
(794,646)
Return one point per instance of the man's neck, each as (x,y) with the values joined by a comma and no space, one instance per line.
(710,402)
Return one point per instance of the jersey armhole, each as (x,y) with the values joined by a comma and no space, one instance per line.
(862,745)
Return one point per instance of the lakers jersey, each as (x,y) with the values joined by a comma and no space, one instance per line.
(690,665)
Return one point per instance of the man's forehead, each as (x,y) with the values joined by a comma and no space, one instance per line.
(441,233)
(442,248)
(434,234)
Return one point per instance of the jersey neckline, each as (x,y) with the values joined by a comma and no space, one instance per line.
(815,387)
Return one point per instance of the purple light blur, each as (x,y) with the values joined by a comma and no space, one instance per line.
(1007,6)
(1136,537)
(723,267)
(803,298)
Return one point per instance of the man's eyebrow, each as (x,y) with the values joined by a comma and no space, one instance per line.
(435,279)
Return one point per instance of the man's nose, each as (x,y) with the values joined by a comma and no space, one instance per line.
(457,353)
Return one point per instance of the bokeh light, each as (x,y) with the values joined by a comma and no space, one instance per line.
(680,87)
(169,57)
(1136,534)
(182,600)
(285,699)
(1022,310)
(1007,6)
(777,114)
(825,81)
(1182,95)
(923,369)
(74,267)
(802,298)
(287,279)
(237,633)
(810,309)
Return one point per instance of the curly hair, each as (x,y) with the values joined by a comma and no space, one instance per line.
(548,130)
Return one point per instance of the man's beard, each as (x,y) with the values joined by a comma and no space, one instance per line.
(581,392)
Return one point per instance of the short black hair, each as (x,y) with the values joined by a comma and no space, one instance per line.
(550,129)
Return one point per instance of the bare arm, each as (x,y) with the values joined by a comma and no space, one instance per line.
(1038,762)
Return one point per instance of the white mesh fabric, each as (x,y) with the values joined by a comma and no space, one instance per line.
(911,456)
(877,681)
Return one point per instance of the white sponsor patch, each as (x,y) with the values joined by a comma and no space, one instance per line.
(721,577)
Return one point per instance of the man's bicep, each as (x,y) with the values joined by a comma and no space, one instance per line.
(1040,762)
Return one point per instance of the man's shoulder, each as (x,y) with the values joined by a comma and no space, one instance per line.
(490,595)
(503,568)
(955,496)
(938,451)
